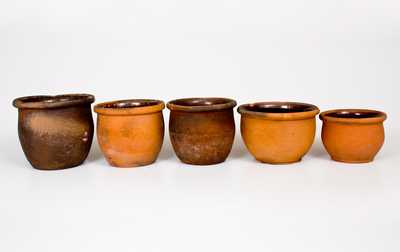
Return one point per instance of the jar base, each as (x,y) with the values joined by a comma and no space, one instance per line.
(202,163)
(127,166)
(57,168)
(279,162)
(351,161)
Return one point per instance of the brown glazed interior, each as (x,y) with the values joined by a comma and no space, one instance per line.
(130,104)
(46,101)
(201,104)
(129,107)
(353,116)
(279,110)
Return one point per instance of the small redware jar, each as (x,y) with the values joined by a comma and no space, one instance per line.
(202,130)
(353,135)
(130,132)
(278,132)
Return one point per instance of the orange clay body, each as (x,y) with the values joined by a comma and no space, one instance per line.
(353,135)
(130,133)
(278,132)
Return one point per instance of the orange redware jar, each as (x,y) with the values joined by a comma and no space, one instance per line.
(353,135)
(130,132)
(278,132)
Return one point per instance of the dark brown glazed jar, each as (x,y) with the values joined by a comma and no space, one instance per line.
(55,132)
(202,130)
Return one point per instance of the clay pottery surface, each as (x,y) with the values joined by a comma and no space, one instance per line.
(130,132)
(202,130)
(278,132)
(55,132)
(353,135)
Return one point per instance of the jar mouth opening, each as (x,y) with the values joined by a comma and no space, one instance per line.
(48,101)
(279,107)
(129,107)
(279,110)
(353,115)
(127,104)
(201,104)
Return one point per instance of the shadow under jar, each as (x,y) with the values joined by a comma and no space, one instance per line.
(278,132)
(130,132)
(353,135)
(55,132)
(202,130)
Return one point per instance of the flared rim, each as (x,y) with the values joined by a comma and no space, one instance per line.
(56,101)
(201,104)
(277,110)
(362,116)
(129,107)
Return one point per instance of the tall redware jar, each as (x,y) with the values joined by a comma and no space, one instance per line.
(55,132)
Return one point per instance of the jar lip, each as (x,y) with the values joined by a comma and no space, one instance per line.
(278,110)
(201,104)
(129,107)
(361,116)
(52,101)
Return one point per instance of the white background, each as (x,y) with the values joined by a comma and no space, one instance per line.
(334,54)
